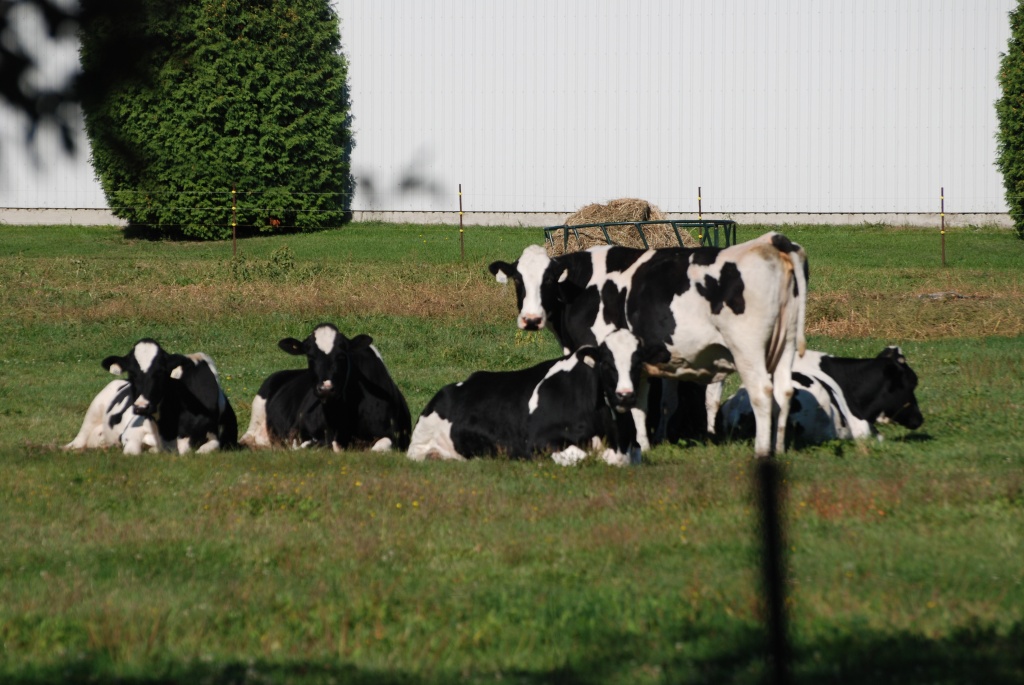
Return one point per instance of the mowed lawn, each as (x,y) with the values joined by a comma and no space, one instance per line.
(904,556)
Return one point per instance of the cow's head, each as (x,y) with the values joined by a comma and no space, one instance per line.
(619,361)
(900,403)
(149,368)
(329,354)
(536,277)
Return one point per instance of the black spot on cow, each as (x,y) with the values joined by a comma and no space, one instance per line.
(727,290)
(621,258)
(783,244)
(704,256)
(802,379)
(614,304)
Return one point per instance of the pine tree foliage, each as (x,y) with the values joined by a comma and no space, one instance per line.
(185,100)
(1010,112)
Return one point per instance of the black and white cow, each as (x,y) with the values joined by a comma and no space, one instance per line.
(715,311)
(560,407)
(344,398)
(169,401)
(839,398)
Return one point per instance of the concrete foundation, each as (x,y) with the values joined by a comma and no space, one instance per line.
(103,217)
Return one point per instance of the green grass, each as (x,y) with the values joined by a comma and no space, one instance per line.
(285,566)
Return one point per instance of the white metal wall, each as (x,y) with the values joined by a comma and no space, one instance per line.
(768,105)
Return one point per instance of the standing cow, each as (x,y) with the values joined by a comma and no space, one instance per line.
(345,397)
(715,311)
(169,401)
(839,398)
(558,407)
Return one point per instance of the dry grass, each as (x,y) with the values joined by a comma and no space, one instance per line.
(622,209)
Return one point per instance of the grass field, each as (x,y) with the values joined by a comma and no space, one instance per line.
(905,557)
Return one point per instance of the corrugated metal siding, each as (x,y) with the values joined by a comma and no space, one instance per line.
(547,105)
(783,106)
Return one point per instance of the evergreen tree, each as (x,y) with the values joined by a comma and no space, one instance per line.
(206,95)
(1010,111)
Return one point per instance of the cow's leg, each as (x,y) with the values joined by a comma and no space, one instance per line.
(669,407)
(432,439)
(759,388)
(782,382)
(212,444)
(256,435)
(382,445)
(712,401)
(639,413)
(141,434)
(570,456)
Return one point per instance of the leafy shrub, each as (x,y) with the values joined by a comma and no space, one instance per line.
(1010,112)
(185,100)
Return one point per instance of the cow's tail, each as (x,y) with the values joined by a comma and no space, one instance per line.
(793,307)
(801,274)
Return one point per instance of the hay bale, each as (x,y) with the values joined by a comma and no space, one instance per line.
(623,209)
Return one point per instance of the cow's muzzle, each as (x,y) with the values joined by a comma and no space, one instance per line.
(531,323)
(624,399)
(143,407)
(324,390)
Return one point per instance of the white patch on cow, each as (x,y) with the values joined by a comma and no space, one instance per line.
(614,458)
(373,348)
(145,353)
(336,447)
(116,369)
(500,277)
(94,431)
(177,372)
(256,435)
(570,456)
(382,445)
(560,366)
(211,444)
(532,265)
(200,358)
(184,445)
(623,345)
(325,337)
(432,439)
(141,402)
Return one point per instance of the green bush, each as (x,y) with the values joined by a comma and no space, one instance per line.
(184,101)
(1010,111)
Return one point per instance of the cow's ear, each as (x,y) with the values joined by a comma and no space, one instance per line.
(360,342)
(292,346)
(500,271)
(114,365)
(893,352)
(177,363)
(587,355)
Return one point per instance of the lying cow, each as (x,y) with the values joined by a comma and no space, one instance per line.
(839,398)
(170,401)
(559,407)
(344,398)
(714,311)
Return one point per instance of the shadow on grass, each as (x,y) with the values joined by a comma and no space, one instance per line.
(724,655)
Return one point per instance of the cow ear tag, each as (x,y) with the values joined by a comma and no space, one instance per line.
(112,365)
(565,275)
(177,372)
(589,361)
(500,277)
